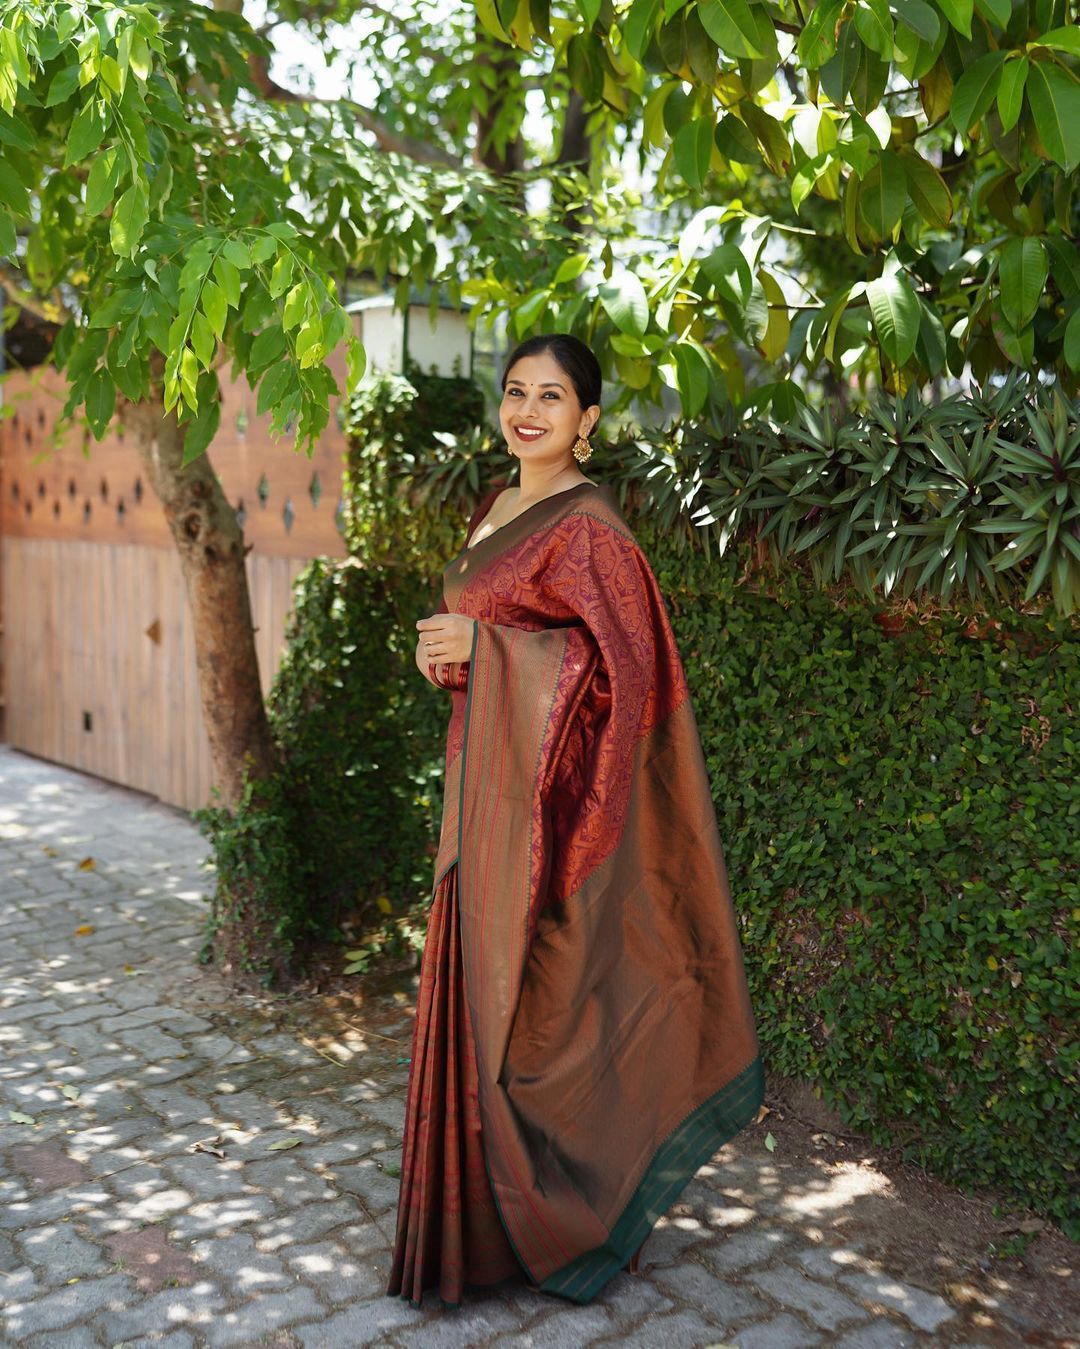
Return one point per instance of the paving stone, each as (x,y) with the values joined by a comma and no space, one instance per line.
(671,1238)
(73,1302)
(792,1286)
(386,1110)
(74,1337)
(366,1179)
(219,1215)
(146,1255)
(307,1224)
(925,1310)
(288,1181)
(367,1323)
(879,1334)
(61,1252)
(219,1048)
(261,1315)
(337,1272)
(235,1261)
(673,1331)
(827,1261)
(742,1250)
(719,1300)
(630,1297)
(782,1332)
(29,1210)
(561,1330)
(350,1147)
(197,1306)
(206,1176)
(152,1043)
(470,1324)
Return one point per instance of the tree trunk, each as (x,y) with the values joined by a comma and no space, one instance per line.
(211,548)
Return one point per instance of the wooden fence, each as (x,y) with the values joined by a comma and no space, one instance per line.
(97,664)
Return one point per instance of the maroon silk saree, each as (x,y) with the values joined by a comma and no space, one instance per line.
(584,1039)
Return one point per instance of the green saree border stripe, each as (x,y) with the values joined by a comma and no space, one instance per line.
(682,1153)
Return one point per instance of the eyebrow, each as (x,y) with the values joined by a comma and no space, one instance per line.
(551,384)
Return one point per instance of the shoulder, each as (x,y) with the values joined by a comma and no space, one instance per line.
(596,512)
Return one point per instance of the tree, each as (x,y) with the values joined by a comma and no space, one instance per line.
(173,220)
(920,159)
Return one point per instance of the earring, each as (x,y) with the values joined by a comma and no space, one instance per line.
(582,449)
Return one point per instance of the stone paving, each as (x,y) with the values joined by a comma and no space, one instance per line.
(152,1191)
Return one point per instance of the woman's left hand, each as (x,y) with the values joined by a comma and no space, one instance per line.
(446,637)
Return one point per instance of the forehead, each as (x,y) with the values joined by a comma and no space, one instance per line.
(539,368)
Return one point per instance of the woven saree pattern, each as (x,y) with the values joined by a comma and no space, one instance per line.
(601,1043)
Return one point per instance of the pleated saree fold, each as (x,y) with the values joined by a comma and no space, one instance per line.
(591,1042)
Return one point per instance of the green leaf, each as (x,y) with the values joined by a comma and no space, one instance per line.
(626,304)
(1010,96)
(529,310)
(817,41)
(1000,11)
(1062,39)
(1016,344)
(8,237)
(128,220)
(958,13)
(975,90)
(1054,96)
(895,310)
(883,194)
(202,338)
(201,429)
(273,386)
(694,376)
(735,141)
(572,267)
(803,182)
(1072,341)
(268,346)
(102,179)
(928,190)
(13,192)
(1022,269)
(100,401)
(281,274)
(214,306)
(692,148)
(237,252)
(228,278)
(639,26)
(920,18)
(87,131)
(840,70)
(873,23)
(770,136)
(731,26)
(64,83)
(773,341)
(728,271)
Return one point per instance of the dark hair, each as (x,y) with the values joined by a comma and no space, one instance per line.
(573,357)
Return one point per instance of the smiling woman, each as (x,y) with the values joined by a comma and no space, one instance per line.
(584,1039)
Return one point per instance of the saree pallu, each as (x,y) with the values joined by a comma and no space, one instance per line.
(584,1039)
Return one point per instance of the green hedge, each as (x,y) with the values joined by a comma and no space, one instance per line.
(901,818)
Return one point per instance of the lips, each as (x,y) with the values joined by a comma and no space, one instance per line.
(529,433)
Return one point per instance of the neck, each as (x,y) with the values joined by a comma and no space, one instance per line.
(540,480)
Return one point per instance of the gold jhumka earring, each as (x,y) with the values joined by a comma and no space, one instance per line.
(582,449)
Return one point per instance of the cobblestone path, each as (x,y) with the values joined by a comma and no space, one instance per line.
(145,1197)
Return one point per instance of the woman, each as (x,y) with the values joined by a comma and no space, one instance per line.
(584,1039)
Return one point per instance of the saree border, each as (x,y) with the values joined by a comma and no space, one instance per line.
(688,1147)
(674,1163)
